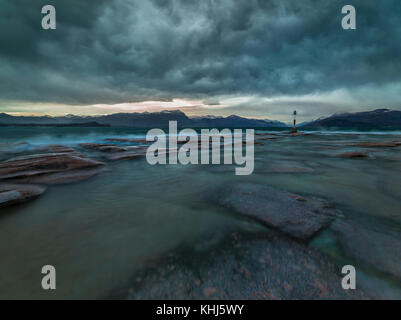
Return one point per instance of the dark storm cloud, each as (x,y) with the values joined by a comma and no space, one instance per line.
(115,51)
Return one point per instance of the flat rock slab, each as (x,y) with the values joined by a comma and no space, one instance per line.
(271,268)
(49,168)
(298,216)
(11,194)
(378,250)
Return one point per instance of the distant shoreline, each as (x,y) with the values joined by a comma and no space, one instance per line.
(88,124)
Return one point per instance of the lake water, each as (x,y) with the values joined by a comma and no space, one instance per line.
(99,232)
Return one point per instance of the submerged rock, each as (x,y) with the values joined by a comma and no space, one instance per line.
(69,176)
(299,217)
(352,154)
(48,168)
(284,166)
(266,137)
(110,148)
(376,144)
(379,250)
(258,143)
(297,134)
(55,148)
(259,267)
(126,140)
(117,152)
(11,194)
(131,152)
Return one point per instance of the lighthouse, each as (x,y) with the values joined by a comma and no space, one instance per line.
(294,128)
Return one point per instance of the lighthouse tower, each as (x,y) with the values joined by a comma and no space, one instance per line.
(294,128)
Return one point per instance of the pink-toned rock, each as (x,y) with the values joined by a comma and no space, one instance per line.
(298,198)
(113,152)
(67,176)
(135,140)
(267,138)
(55,148)
(11,194)
(209,291)
(266,134)
(129,154)
(109,148)
(296,134)
(352,154)
(258,143)
(48,168)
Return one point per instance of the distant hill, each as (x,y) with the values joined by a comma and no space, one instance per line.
(83,124)
(383,119)
(144,120)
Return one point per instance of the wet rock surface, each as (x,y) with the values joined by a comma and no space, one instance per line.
(244,267)
(11,194)
(297,216)
(377,249)
(48,168)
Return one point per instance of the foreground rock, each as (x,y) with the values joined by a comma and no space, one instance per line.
(49,168)
(299,217)
(378,250)
(257,267)
(11,194)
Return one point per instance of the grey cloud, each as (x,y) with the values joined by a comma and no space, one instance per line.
(118,51)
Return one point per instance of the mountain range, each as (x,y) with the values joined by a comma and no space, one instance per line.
(376,119)
(145,119)
(383,119)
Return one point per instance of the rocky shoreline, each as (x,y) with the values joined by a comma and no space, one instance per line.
(276,264)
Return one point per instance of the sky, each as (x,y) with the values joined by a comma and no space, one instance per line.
(253,58)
